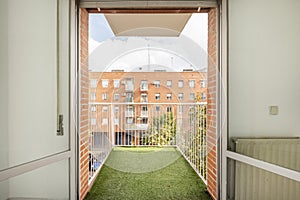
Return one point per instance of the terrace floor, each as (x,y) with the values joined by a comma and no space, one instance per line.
(147,173)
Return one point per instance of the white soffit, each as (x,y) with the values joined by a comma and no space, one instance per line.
(168,25)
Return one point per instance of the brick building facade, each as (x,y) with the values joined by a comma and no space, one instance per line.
(126,102)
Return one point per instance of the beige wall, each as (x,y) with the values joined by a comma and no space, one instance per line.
(4,94)
(264,46)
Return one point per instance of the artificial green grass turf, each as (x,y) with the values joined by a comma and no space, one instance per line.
(147,173)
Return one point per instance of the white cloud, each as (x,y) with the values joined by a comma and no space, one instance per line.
(196,29)
(93,44)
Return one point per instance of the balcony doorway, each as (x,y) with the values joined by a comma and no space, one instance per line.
(154,76)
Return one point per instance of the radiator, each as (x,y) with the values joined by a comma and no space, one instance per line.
(252,183)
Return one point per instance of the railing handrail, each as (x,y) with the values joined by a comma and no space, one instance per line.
(146,103)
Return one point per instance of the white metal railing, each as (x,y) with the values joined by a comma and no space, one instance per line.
(99,149)
(149,124)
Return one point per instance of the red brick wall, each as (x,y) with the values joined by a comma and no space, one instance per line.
(84,100)
(211,105)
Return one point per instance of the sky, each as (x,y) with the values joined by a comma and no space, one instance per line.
(99,29)
(100,34)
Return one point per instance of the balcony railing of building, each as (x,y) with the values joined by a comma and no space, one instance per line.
(182,125)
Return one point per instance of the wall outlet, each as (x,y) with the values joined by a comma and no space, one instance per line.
(273,110)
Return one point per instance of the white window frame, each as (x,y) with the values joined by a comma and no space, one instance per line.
(192,94)
(157,96)
(104,96)
(105,83)
(104,108)
(116,83)
(116,109)
(129,120)
(169,96)
(169,83)
(180,83)
(203,83)
(93,108)
(104,121)
(157,83)
(203,96)
(116,96)
(144,85)
(192,83)
(180,96)
(144,97)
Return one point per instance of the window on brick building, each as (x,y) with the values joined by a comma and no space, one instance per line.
(203,83)
(116,108)
(93,108)
(144,97)
(192,83)
(169,83)
(180,83)
(169,96)
(93,83)
(104,96)
(116,83)
(93,96)
(145,121)
(157,96)
(129,120)
(157,83)
(104,121)
(104,109)
(169,109)
(192,96)
(116,96)
(93,121)
(104,83)
(129,97)
(157,108)
(203,96)
(180,96)
(144,85)
(116,121)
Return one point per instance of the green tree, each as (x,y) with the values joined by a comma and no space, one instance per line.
(162,130)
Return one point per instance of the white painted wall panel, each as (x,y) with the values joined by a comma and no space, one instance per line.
(264,67)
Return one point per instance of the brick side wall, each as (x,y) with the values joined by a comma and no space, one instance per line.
(211,105)
(84,100)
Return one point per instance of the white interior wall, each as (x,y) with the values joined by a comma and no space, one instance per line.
(4,96)
(264,67)
(28,102)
